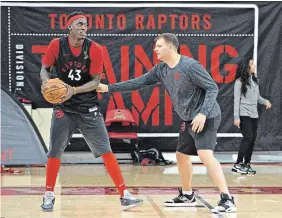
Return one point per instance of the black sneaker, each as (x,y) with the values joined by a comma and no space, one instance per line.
(182,200)
(240,168)
(226,204)
(250,169)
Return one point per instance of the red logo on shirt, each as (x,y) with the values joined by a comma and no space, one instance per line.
(182,128)
(59,114)
(177,76)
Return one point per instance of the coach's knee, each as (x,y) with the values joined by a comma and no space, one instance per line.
(182,158)
(205,156)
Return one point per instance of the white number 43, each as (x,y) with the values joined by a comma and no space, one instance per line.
(74,75)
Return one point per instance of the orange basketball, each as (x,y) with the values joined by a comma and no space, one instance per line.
(53,90)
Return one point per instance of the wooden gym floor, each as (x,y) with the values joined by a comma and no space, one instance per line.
(87,191)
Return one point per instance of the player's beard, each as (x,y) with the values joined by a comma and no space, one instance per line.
(82,37)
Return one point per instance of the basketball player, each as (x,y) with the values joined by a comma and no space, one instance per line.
(193,93)
(78,62)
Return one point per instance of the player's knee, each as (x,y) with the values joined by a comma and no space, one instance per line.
(54,154)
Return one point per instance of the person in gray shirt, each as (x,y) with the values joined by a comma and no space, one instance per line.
(246,99)
(193,93)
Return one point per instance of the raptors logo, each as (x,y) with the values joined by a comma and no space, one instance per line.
(182,128)
(59,114)
(177,76)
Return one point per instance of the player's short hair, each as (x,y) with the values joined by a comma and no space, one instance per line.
(72,14)
(169,37)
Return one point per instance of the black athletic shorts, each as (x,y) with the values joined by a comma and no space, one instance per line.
(189,142)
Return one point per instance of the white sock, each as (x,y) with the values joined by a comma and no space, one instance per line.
(187,192)
(49,192)
(126,192)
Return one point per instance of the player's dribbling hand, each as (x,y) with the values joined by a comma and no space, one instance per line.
(68,95)
(198,123)
(102,88)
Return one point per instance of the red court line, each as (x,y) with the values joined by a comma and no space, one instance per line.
(141,190)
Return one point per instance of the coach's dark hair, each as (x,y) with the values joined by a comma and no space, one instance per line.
(242,72)
(72,14)
(169,37)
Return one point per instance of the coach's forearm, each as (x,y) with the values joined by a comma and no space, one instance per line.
(209,101)
(126,86)
(134,84)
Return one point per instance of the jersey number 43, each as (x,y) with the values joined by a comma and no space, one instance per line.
(74,75)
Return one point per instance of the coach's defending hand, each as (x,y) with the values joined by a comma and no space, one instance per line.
(102,88)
